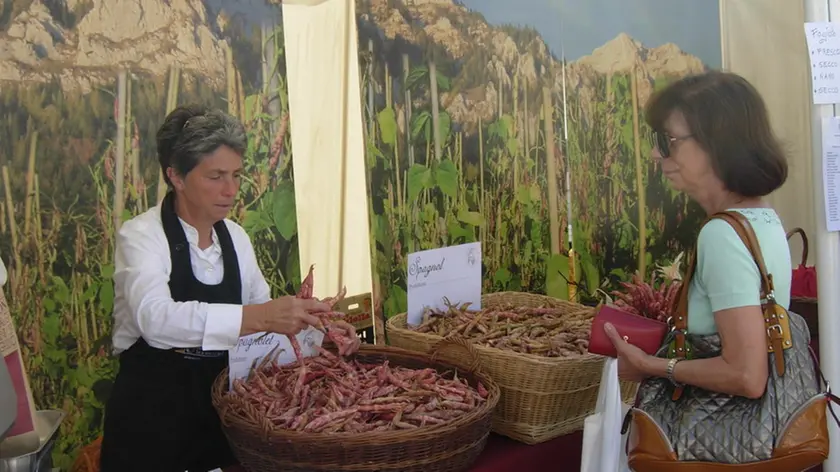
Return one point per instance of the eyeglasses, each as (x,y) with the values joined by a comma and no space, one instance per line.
(663,142)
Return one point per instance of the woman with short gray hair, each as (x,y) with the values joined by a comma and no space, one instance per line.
(187,286)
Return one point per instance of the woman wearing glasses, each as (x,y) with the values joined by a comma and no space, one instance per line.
(713,141)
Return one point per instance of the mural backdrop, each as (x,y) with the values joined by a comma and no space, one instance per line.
(508,122)
(84,85)
(488,120)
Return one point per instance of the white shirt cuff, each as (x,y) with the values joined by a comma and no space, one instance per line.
(221,330)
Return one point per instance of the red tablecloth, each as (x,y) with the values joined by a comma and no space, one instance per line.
(506,455)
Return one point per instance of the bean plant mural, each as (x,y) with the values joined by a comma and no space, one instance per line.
(77,155)
(480,132)
(472,128)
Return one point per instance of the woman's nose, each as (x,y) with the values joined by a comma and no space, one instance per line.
(230,188)
(655,154)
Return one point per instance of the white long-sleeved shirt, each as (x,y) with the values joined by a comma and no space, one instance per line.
(4,276)
(143,305)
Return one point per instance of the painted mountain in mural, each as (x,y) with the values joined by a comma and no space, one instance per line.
(81,42)
(481,57)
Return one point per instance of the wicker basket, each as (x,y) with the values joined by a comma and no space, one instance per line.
(447,447)
(542,398)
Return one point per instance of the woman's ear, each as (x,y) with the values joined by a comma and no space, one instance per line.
(176,178)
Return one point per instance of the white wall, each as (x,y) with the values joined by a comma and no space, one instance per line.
(764,41)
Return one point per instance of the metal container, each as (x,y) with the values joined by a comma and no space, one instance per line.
(8,399)
(39,460)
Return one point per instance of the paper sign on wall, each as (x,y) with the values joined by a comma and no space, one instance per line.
(450,273)
(251,350)
(824,50)
(831,171)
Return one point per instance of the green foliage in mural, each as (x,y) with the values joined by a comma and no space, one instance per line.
(490,182)
(60,252)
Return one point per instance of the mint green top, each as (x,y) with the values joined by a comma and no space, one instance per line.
(727,276)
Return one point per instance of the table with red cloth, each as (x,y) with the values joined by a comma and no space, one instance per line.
(506,455)
(562,454)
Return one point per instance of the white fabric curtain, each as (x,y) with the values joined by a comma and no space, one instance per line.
(764,41)
(328,144)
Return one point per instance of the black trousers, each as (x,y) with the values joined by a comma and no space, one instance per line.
(160,418)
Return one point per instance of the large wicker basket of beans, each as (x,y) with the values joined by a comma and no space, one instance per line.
(383,409)
(536,348)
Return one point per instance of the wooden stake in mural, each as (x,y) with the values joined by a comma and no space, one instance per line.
(389,99)
(484,210)
(517,132)
(390,106)
(30,184)
(573,258)
(410,148)
(38,229)
(230,77)
(171,103)
(235,94)
(640,190)
(270,79)
(500,72)
(133,155)
(119,174)
(435,109)
(551,171)
(10,210)
(526,133)
(370,94)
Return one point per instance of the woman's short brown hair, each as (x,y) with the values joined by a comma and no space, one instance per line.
(728,119)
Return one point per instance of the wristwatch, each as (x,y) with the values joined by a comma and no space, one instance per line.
(669,372)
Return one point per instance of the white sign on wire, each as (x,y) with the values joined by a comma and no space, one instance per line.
(823,40)
(251,350)
(437,276)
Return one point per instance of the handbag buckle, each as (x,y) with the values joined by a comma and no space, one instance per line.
(673,326)
(776,327)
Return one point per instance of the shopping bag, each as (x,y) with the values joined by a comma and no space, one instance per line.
(604,447)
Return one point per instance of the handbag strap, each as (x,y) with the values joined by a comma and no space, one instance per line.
(745,231)
(777,333)
(801,233)
(821,380)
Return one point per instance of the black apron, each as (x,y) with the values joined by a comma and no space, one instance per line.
(159,417)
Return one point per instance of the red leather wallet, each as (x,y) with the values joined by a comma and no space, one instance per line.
(644,333)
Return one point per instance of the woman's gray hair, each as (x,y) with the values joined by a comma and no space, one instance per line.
(189,133)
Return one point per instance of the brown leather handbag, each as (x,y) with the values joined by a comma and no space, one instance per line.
(685,428)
